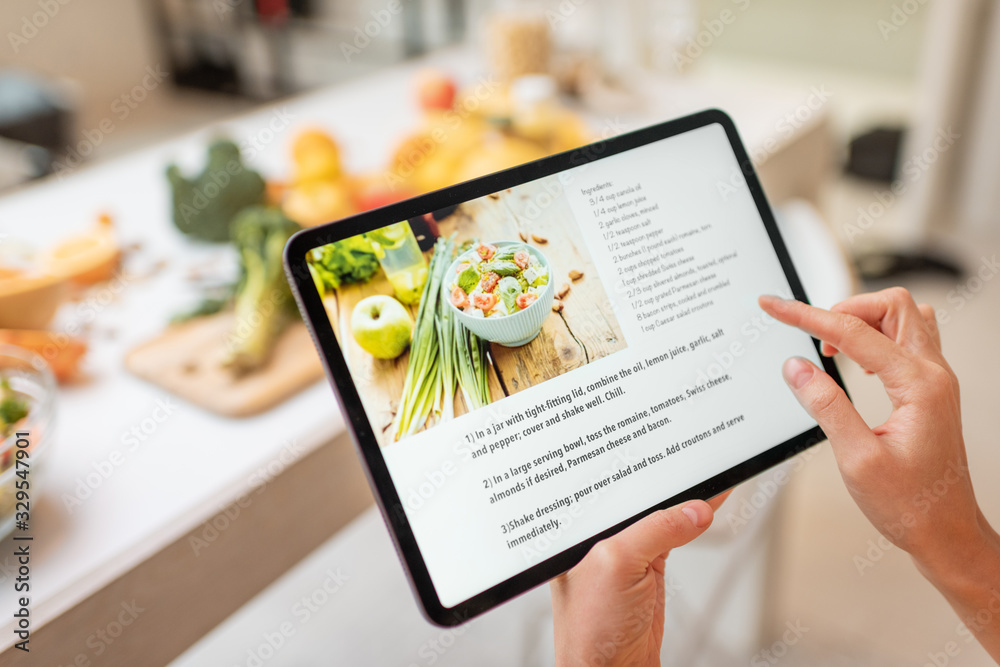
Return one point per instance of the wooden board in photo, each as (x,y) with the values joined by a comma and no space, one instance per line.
(583,331)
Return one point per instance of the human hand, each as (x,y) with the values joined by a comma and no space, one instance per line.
(609,609)
(909,475)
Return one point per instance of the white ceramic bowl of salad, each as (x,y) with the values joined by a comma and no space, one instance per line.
(501,291)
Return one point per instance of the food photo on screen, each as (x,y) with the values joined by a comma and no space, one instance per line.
(505,297)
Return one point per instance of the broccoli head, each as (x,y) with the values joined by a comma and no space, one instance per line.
(204,206)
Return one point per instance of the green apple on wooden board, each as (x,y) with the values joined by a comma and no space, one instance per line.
(382,326)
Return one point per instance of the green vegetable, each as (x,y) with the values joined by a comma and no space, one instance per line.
(204,207)
(504,279)
(352,260)
(468,279)
(445,332)
(264,304)
(471,365)
(12,408)
(444,355)
(509,289)
(506,256)
(501,268)
(424,387)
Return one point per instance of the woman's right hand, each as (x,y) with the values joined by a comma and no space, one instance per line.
(910,474)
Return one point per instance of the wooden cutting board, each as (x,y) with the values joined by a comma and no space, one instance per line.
(185,360)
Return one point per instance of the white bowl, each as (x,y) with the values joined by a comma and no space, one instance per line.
(511,330)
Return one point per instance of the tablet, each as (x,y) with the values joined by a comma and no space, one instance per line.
(533,360)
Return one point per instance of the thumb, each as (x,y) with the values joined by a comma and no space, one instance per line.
(825,401)
(655,535)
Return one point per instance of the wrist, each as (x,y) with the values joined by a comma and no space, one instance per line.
(966,567)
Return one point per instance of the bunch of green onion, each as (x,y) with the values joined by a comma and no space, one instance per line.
(443,353)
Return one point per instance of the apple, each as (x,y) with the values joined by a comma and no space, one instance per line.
(382,326)
(435,90)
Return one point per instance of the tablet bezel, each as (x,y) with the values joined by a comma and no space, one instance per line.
(310,303)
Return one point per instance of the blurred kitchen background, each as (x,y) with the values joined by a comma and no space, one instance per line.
(243,526)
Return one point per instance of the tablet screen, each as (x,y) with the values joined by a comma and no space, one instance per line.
(584,346)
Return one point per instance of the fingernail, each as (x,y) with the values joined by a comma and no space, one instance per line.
(797,372)
(771,297)
(699,514)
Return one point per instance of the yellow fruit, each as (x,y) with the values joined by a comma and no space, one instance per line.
(500,152)
(316,156)
(440,171)
(313,203)
(571,132)
(87,258)
(485,102)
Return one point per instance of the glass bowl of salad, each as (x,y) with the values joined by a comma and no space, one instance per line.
(501,291)
(27,405)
